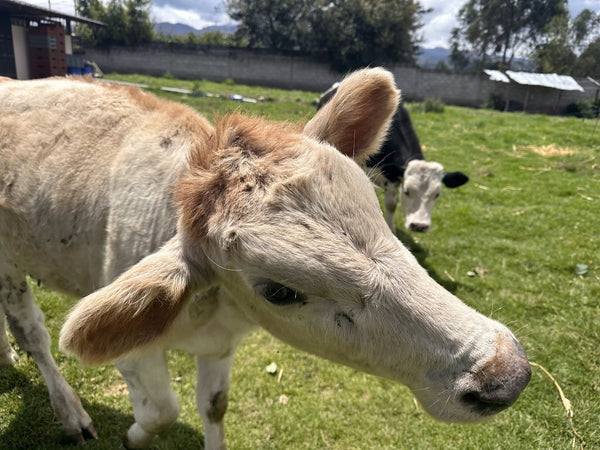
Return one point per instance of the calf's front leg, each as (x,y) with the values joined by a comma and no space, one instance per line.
(391,202)
(7,355)
(26,322)
(155,406)
(212,390)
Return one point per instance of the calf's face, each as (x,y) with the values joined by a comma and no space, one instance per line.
(311,259)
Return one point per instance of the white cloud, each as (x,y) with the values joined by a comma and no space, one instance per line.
(575,6)
(170,14)
(439,23)
(208,11)
(63,6)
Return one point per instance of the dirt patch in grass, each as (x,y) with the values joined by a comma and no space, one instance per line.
(551,150)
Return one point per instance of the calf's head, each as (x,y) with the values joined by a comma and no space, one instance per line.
(291,229)
(421,187)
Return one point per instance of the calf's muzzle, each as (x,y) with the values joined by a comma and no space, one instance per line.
(419,227)
(498,383)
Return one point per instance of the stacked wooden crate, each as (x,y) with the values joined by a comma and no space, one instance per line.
(47,50)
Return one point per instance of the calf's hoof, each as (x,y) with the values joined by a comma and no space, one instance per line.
(86,434)
(137,437)
(8,358)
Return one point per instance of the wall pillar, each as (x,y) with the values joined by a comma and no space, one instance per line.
(7,52)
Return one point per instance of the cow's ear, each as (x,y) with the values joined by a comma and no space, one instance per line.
(130,315)
(357,118)
(454,179)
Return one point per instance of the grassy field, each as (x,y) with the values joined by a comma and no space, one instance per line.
(508,243)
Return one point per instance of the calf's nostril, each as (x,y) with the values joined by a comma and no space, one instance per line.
(419,227)
(484,403)
(495,397)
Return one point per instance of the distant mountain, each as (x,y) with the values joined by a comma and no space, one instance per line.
(225,29)
(431,57)
(181,29)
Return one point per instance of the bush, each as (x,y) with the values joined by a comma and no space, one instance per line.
(430,105)
(197,90)
(586,109)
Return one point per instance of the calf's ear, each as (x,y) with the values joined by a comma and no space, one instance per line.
(357,118)
(131,314)
(454,179)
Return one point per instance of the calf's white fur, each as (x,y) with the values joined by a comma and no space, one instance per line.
(196,235)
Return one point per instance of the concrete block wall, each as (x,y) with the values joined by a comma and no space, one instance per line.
(293,71)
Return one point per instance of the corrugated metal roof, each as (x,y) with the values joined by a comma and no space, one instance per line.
(591,80)
(496,75)
(551,80)
(28,11)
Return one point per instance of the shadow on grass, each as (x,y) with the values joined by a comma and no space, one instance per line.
(421,254)
(33,424)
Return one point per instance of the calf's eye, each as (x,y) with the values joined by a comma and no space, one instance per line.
(406,192)
(278,294)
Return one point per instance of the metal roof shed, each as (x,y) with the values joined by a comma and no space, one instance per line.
(545,80)
(549,80)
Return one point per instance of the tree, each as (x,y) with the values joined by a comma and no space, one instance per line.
(555,52)
(275,24)
(139,25)
(356,33)
(214,38)
(585,28)
(116,23)
(586,31)
(92,9)
(570,47)
(499,29)
(588,63)
(127,22)
(346,33)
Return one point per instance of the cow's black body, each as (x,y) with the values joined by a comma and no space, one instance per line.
(401,146)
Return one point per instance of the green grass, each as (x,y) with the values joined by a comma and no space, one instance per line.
(276,104)
(522,224)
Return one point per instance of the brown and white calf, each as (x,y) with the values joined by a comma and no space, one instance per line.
(400,166)
(196,235)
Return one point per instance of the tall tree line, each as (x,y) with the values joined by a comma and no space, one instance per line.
(346,33)
(127,22)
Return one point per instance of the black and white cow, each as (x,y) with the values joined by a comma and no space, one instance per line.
(400,164)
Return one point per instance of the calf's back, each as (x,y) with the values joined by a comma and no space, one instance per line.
(86,190)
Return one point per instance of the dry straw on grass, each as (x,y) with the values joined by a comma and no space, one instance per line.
(551,150)
(566,404)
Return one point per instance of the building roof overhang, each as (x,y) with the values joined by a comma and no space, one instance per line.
(32,12)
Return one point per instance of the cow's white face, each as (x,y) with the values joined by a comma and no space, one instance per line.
(421,187)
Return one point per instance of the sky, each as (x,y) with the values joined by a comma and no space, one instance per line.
(201,13)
